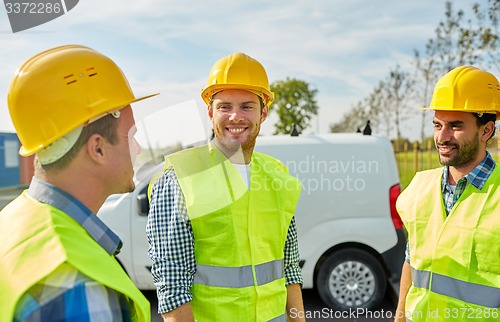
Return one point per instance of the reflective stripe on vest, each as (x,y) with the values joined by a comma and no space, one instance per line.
(468,292)
(268,272)
(281,318)
(238,277)
(420,278)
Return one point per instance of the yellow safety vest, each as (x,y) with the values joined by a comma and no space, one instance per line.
(37,238)
(239,234)
(454,259)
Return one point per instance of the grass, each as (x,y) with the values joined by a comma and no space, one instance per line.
(407,165)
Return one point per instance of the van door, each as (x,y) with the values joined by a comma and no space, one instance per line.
(140,258)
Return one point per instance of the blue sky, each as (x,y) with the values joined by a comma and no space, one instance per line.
(343,48)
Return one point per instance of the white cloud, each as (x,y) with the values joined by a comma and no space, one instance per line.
(342,47)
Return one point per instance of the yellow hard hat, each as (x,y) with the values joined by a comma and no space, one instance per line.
(238,71)
(467,89)
(62,88)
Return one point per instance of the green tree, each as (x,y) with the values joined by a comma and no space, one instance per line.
(378,113)
(425,77)
(456,42)
(398,85)
(352,120)
(294,103)
(371,108)
(386,107)
(452,47)
(483,31)
(459,39)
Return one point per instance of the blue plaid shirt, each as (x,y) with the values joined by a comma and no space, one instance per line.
(171,245)
(477,177)
(66,294)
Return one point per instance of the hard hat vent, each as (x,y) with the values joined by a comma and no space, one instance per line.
(494,86)
(91,69)
(71,80)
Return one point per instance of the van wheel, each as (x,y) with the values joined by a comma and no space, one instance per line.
(351,278)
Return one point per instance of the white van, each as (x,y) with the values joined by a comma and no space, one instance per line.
(351,239)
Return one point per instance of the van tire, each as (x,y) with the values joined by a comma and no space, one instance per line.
(351,278)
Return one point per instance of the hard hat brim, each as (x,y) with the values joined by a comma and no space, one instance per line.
(143,97)
(210,91)
(453,110)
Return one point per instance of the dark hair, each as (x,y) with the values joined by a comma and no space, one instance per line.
(105,126)
(484,119)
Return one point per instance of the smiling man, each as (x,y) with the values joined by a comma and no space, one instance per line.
(236,116)
(221,229)
(451,213)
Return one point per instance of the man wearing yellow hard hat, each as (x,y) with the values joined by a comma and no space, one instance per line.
(70,106)
(221,225)
(452,268)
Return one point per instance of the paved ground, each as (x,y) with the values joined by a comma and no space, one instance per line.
(7,195)
(315,310)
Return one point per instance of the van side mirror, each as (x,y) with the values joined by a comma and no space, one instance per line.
(143,203)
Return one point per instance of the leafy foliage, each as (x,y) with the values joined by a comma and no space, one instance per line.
(459,39)
(294,103)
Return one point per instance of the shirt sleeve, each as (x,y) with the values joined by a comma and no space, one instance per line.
(171,244)
(293,273)
(68,295)
(407,253)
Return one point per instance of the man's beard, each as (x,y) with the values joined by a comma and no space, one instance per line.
(233,145)
(466,153)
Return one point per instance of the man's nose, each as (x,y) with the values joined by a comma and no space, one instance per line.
(236,115)
(135,148)
(444,134)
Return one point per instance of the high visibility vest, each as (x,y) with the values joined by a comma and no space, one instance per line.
(454,259)
(239,233)
(37,238)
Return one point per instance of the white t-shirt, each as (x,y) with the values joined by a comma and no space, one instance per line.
(244,170)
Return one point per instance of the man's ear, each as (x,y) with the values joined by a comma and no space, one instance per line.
(210,112)
(96,148)
(263,114)
(488,131)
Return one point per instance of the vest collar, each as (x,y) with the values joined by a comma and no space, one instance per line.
(477,177)
(51,195)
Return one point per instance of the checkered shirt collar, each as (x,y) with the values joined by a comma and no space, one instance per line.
(478,176)
(50,194)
